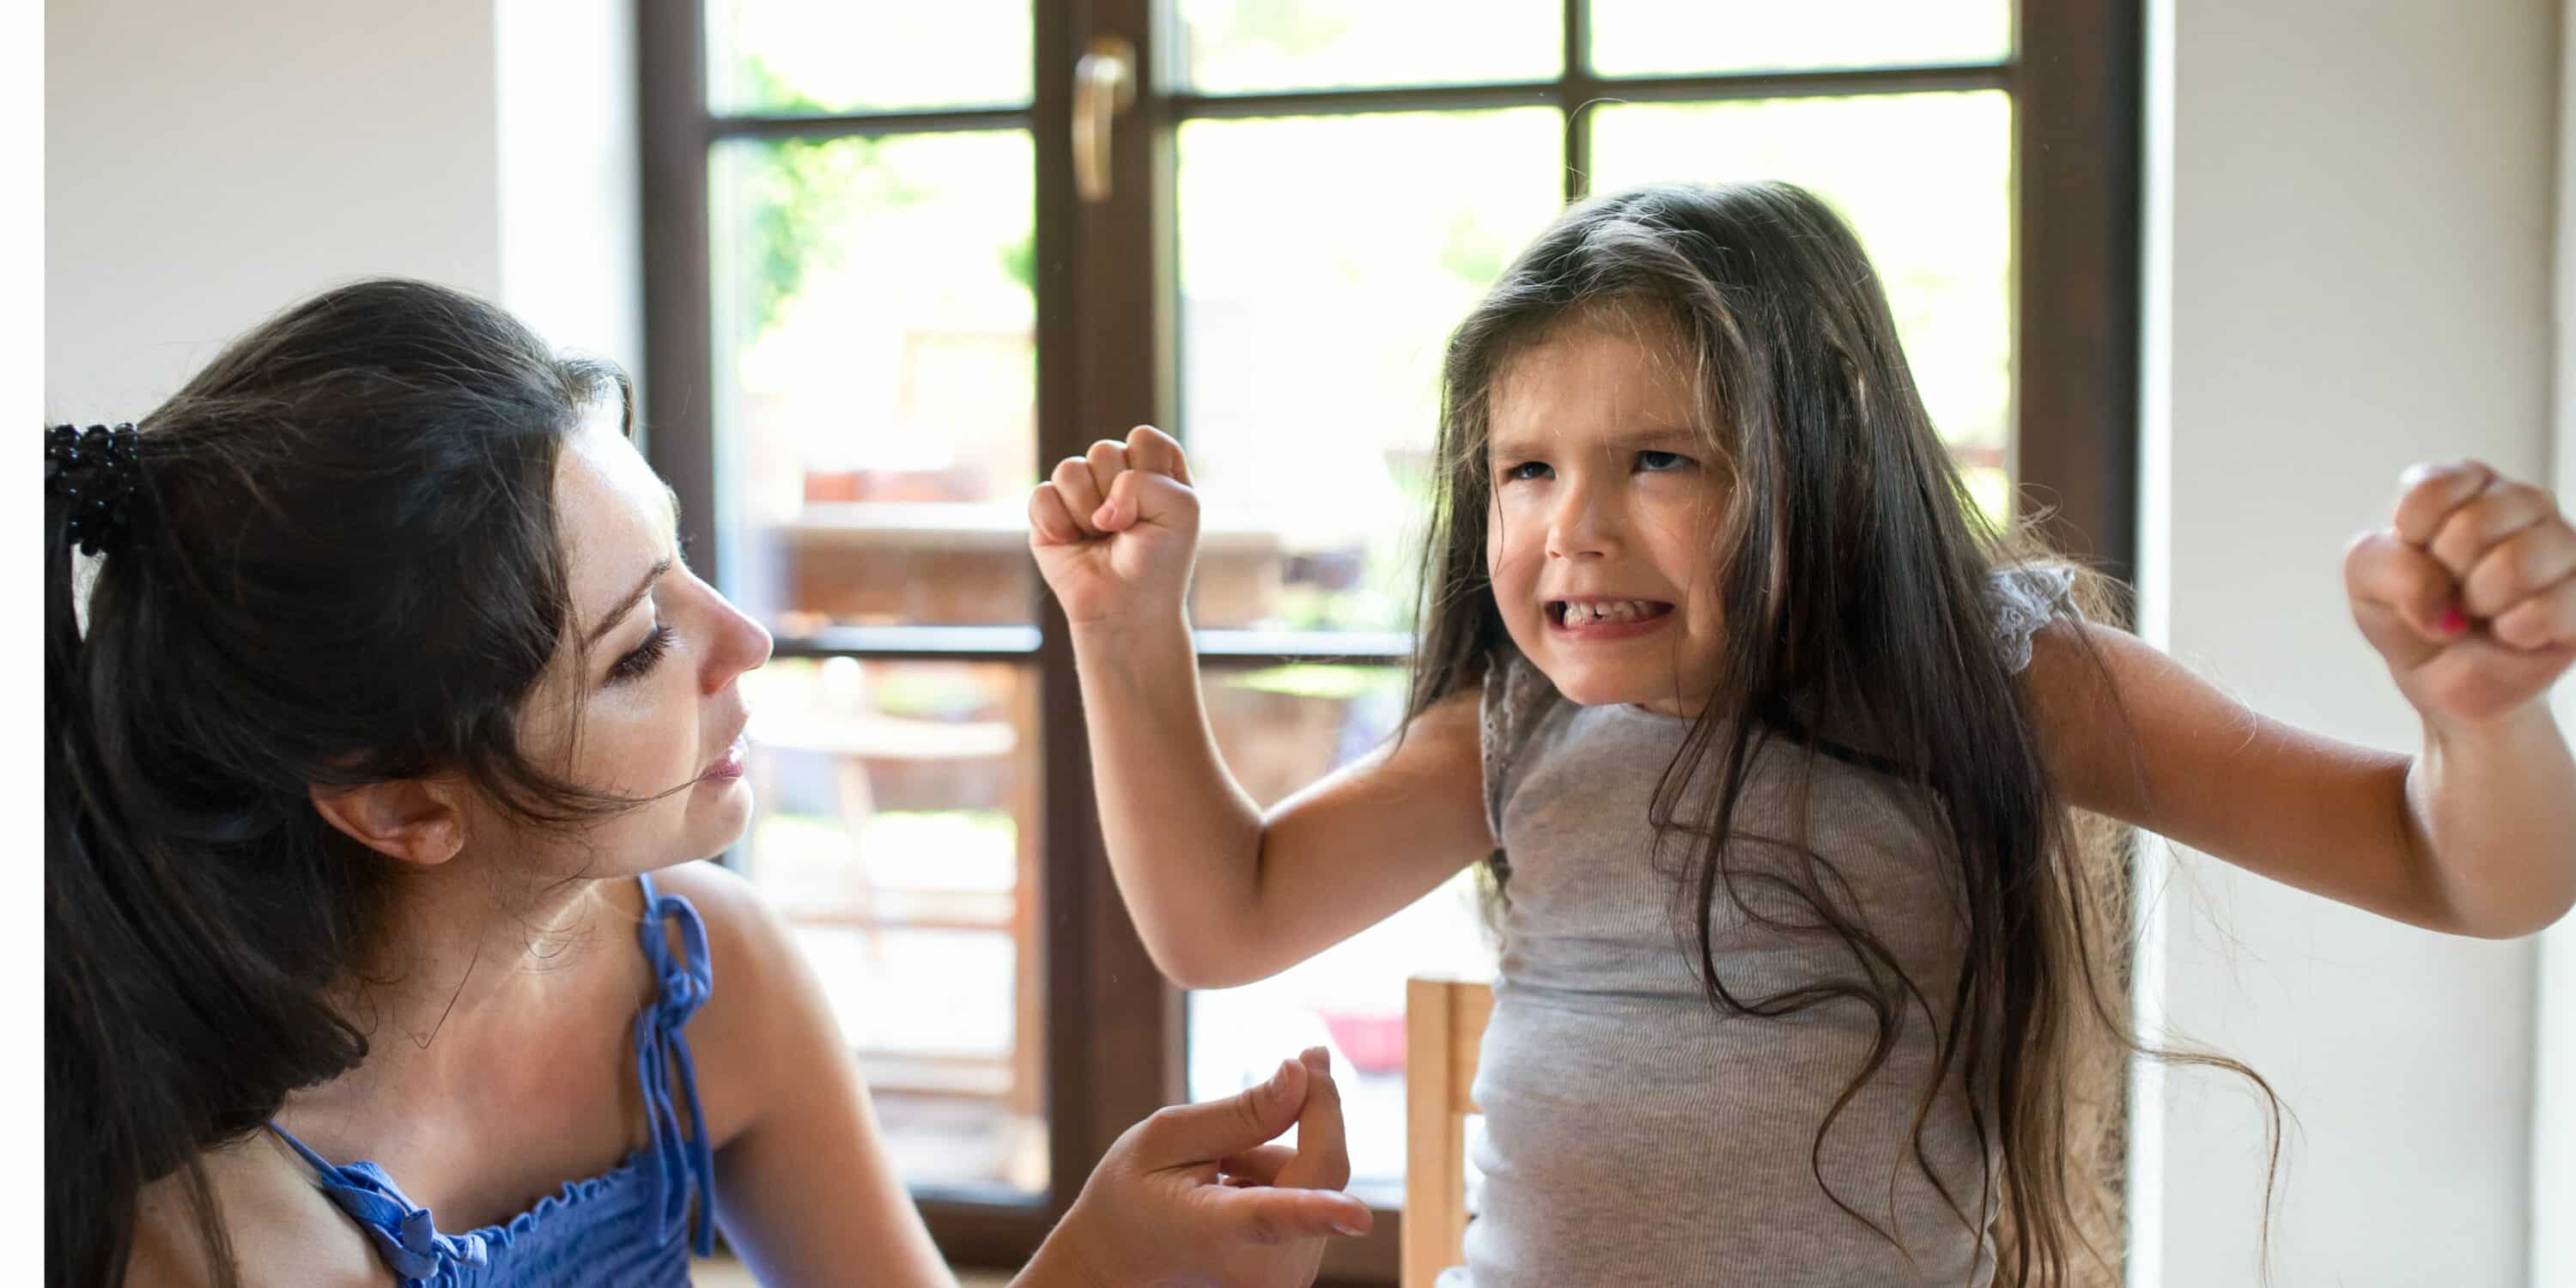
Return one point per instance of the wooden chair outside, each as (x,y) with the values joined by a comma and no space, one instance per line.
(1444,1023)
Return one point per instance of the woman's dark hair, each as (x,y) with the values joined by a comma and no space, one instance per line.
(1851,570)
(341,568)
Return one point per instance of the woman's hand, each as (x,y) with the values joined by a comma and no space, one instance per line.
(2469,593)
(1197,1195)
(1115,531)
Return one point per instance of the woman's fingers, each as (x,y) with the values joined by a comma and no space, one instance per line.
(1271,1215)
(1200,1134)
(1323,1156)
(1259,1165)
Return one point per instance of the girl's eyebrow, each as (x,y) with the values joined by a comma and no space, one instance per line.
(1645,438)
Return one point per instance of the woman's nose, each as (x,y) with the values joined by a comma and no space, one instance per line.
(741,644)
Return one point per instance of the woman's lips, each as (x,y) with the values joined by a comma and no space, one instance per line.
(728,766)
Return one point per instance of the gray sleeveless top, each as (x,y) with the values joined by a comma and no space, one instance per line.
(1633,1134)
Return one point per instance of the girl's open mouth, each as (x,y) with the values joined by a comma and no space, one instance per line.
(1606,618)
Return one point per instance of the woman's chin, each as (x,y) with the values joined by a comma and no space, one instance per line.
(719,817)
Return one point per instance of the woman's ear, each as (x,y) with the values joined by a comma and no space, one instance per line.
(419,821)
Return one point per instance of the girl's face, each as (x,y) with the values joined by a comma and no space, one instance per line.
(653,702)
(1602,532)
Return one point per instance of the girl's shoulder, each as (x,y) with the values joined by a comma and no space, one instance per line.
(2023,599)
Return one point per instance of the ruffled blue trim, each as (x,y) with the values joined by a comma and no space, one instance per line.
(498,1238)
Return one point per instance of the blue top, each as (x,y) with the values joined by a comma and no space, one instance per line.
(628,1227)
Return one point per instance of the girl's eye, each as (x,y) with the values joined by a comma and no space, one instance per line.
(639,663)
(1526,470)
(1658,462)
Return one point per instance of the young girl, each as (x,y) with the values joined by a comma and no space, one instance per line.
(1776,748)
(391,712)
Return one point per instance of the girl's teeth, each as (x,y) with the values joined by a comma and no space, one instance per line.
(1586,614)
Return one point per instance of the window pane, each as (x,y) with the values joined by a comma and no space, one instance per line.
(1926,179)
(1246,46)
(876,417)
(896,830)
(1280,729)
(1675,37)
(1323,261)
(793,56)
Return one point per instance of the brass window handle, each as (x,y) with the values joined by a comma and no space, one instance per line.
(1104,84)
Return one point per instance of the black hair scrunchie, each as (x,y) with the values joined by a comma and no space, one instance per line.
(96,471)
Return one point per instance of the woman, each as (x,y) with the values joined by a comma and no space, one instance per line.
(377,765)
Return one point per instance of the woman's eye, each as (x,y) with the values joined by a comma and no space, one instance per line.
(1658,462)
(639,663)
(1526,470)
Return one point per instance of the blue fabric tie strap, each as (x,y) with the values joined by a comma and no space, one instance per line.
(402,1230)
(682,1159)
(627,1227)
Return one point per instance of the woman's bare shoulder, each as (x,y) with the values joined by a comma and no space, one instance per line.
(281,1226)
(746,1034)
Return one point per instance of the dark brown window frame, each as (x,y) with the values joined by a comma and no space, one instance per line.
(1114,1031)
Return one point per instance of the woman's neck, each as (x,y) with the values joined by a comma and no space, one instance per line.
(472,948)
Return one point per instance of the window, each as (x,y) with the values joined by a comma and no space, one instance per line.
(884,295)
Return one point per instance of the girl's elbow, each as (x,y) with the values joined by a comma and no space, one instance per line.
(2537,919)
(1197,965)
(2514,920)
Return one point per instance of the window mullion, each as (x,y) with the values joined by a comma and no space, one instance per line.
(1114,1039)
(675,411)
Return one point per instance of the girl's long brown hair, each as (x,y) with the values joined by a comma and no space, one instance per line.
(1852,570)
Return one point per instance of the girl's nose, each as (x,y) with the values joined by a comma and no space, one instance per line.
(1584,525)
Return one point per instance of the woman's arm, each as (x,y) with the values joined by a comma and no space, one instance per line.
(805,1190)
(2471,596)
(807,1195)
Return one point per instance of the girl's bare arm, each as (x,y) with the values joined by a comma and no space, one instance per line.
(1221,894)
(1224,895)
(2470,594)
(2471,838)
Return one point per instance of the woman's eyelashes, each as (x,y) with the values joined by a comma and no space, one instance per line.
(638,662)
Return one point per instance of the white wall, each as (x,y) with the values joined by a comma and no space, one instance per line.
(2350,268)
(207,164)
(2553,1158)
(571,235)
